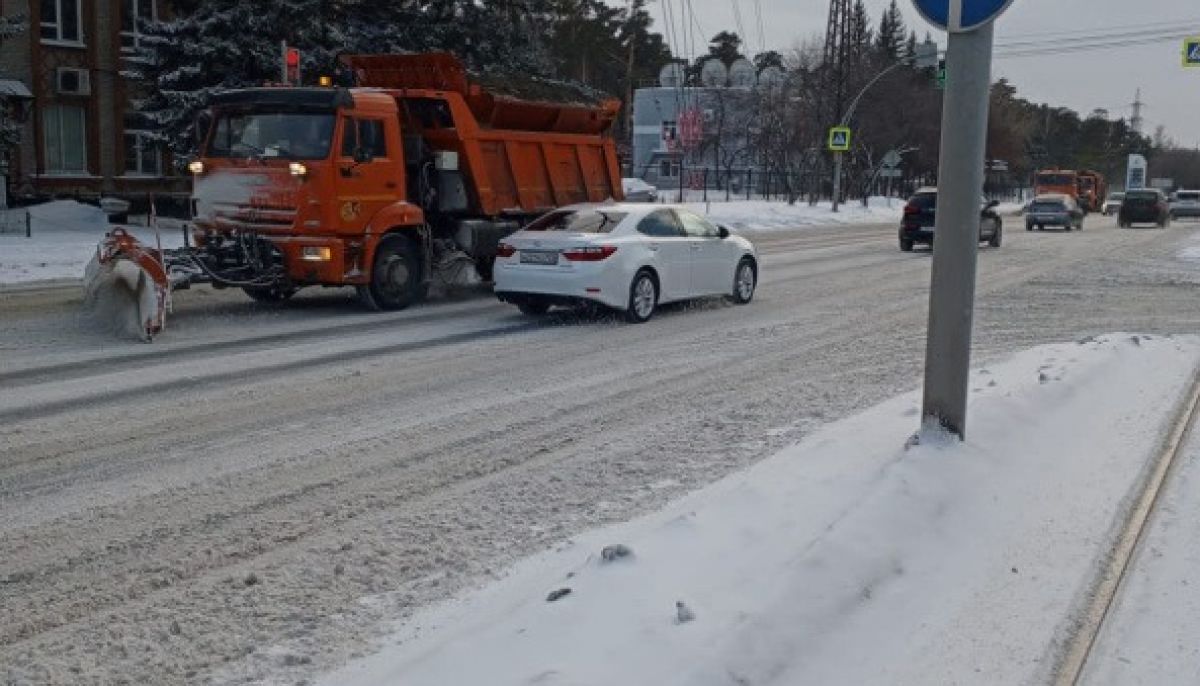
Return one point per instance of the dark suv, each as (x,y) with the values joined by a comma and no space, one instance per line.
(920,215)
(1144,206)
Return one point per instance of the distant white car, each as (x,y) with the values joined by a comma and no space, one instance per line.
(1112,204)
(637,190)
(629,257)
(1185,204)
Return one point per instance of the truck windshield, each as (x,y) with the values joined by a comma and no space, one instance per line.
(1055,179)
(288,135)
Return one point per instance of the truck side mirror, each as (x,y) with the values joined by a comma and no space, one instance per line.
(200,127)
(722,231)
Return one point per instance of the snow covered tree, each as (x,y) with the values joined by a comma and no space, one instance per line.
(217,45)
(10,123)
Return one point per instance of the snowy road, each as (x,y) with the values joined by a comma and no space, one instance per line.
(213,507)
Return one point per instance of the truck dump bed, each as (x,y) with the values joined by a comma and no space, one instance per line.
(526,145)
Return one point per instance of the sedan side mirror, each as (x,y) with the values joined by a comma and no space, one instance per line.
(722,232)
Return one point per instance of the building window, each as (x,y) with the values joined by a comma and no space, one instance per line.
(65,143)
(133,13)
(142,154)
(666,169)
(669,135)
(60,21)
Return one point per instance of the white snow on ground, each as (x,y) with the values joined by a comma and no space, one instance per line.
(1150,636)
(847,558)
(763,215)
(65,235)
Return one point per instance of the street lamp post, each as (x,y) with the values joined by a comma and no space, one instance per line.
(926,56)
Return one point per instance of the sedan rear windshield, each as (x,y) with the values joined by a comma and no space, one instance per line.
(578,221)
(1188,197)
(1141,197)
(924,201)
(1047,206)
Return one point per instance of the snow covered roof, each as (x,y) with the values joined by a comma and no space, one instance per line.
(13,88)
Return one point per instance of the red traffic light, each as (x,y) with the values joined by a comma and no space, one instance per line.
(293,57)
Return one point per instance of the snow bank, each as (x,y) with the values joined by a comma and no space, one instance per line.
(762,215)
(65,234)
(846,559)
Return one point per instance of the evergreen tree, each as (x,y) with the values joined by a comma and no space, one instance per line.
(890,40)
(725,46)
(10,125)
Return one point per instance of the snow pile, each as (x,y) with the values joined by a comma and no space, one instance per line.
(762,215)
(1011,209)
(845,559)
(65,234)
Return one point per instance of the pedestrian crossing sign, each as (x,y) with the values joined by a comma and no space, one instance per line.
(839,139)
(1191,52)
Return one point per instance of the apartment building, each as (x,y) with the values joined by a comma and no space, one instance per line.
(81,138)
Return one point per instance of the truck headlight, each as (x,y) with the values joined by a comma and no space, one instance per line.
(316,253)
(196,167)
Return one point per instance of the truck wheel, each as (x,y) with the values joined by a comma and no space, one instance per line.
(484,265)
(997,236)
(395,276)
(906,246)
(643,298)
(270,294)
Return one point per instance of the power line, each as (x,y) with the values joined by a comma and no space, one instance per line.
(1058,48)
(1100,37)
(1158,25)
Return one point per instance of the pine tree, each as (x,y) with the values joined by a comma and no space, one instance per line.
(10,126)
(890,40)
(217,45)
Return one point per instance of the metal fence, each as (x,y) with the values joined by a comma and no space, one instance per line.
(709,184)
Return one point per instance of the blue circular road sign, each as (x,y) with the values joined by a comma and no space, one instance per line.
(957,16)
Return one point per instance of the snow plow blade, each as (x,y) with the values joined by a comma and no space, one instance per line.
(133,279)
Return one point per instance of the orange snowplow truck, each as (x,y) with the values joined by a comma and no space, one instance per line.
(1092,190)
(1062,181)
(415,173)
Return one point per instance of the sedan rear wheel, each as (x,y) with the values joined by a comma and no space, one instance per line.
(744,281)
(643,298)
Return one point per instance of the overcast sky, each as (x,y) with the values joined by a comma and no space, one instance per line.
(1083,81)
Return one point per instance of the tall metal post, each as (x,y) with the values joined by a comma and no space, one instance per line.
(956,244)
(837,180)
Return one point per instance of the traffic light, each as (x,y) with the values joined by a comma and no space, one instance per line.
(292,62)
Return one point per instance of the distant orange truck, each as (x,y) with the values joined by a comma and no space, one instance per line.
(1088,188)
(416,169)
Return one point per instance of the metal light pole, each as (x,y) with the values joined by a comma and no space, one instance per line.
(955,250)
(925,52)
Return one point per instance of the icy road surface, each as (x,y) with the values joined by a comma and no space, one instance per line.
(211,508)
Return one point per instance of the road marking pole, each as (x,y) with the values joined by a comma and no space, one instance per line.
(956,232)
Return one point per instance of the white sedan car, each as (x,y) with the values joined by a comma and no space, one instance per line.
(628,257)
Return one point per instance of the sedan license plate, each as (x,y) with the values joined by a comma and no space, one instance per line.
(539,257)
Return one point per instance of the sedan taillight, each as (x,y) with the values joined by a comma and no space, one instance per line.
(505,250)
(911,209)
(589,254)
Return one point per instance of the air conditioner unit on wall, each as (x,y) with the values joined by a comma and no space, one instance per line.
(72,81)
